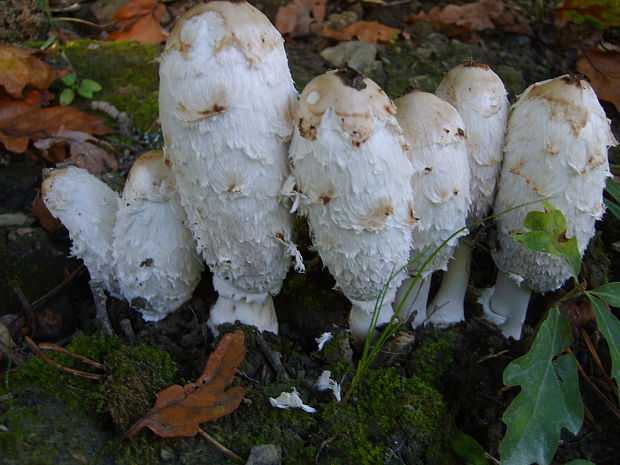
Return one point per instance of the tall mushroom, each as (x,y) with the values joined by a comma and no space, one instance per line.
(226,99)
(479,96)
(354,185)
(435,134)
(556,150)
(155,259)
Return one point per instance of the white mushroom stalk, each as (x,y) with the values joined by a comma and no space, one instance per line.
(226,99)
(556,150)
(435,134)
(479,96)
(354,185)
(87,207)
(155,258)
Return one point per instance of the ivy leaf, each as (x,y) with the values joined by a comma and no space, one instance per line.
(549,399)
(66,96)
(548,234)
(468,449)
(609,292)
(609,326)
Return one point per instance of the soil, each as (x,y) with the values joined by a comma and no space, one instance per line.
(458,371)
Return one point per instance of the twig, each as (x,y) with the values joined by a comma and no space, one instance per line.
(46,359)
(58,288)
(598,361)
(324,444)
(223,449)
(101,315)
(272,357)
(50,346)
(32,322)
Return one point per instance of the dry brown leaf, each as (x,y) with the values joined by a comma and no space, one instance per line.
(140,21)
(366,31)
(179,410)
(40,211)
(21,122)
(22,67)
(301,18)
(603,70)
(462,20)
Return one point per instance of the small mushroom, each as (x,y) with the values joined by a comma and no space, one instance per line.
(556,150)
(226,100)
(156,263)
(354,179)
(87,207)
(479,96)
(435,134)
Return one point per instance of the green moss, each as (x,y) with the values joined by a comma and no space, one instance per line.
(128,72)
(433,356)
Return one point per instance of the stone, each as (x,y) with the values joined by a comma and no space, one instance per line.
(265,454)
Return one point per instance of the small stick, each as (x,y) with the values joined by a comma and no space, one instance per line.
(32,322)
(57,289)
(223,449)
(597,359)
(272,357)
(50,346)
(101,315)
(46,359)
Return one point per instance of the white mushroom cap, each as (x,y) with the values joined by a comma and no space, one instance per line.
(556,150)
(435,134)
(354,181)
(226,99)
(155,254)
(87,207)
(479,96)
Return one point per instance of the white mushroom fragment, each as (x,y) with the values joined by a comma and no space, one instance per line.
(156,262)
(556,150)
(226,99)
(325,382)
(291,399)
(87,207)
(354,184)
(435,134)
(479,96)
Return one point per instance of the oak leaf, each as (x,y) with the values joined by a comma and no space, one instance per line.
(140,21)
(370,32)
(179,410)
(603,70)
(22,68)
(601,14)
(300,18)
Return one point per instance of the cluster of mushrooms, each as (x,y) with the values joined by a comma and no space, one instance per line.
(378,181)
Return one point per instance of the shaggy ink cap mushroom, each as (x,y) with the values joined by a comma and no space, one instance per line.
(226,100)
(435,135)
(354,184)
(156,262)
(556,150)
(479,96)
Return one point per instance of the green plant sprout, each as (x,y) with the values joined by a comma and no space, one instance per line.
(86,88)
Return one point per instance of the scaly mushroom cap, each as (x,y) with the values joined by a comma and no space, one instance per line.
(226,99)
(87,207)
(155,254)
(435,134)
(556,150)
(354,181)
(479,96)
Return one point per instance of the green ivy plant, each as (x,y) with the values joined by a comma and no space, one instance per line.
(86,88)
(550,399)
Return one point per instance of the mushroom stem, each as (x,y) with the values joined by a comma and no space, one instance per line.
(447,306)
(360,318)
(235,305)
(415,303)
(505,305)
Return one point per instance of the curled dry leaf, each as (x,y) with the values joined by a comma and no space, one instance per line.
(22,68)
(603,70)
(462,20)
(366,31)
(40,211)
(140,21)
(301,18)
(179,410)
(21,122)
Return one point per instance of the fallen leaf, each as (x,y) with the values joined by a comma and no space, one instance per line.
(40,211)
(599,13)
(366,31)
(603,70)
(21,122)
(22,67)
(462,20)
(179,410)
(140,21)
(301,18)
